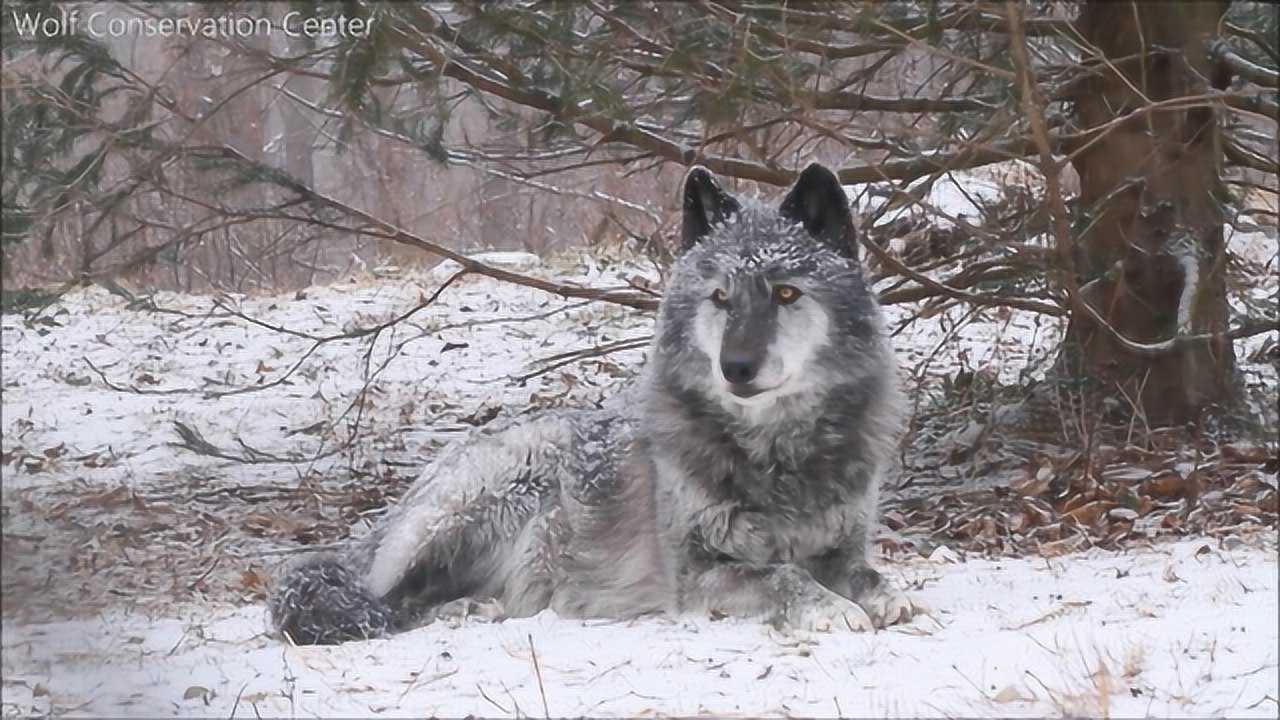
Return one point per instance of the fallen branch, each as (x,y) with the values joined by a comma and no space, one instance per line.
(942,289)
(568,358)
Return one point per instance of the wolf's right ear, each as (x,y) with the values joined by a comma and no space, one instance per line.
(705,205)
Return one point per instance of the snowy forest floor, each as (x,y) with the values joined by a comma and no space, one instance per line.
(160,458)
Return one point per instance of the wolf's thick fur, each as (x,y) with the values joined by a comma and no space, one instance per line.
(738,476)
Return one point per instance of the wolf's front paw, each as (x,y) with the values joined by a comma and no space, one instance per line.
(454,612)
(829,613)
(886,605)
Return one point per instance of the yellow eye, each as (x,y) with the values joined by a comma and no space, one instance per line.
(720,297)
(785,294)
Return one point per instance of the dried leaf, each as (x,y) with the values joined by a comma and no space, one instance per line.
(1167,485)
(482,416)
(1011,694)
(1089,513)
(1121,513)
(1032,487)
(944,554)
(1251,454)
(894,520)
(1061,547)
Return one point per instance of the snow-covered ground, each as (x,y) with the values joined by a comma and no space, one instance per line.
(1187,629)
(133,567)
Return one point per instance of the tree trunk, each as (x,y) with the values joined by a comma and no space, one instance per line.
(1151,255)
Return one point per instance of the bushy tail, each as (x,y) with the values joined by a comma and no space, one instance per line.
(320,601)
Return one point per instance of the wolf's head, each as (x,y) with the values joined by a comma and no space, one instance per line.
(766,311)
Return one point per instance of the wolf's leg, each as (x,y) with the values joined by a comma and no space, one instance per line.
(470,553)
(785,595)
(517,583)
(460,530)
(848,573)
(740,534)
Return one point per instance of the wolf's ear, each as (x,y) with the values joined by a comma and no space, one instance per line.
(705,205)
(818,202)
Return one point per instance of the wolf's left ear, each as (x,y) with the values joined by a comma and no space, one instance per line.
(705,205)
(818,202)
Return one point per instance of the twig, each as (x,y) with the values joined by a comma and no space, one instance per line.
(132,388)
(417,681)
(568,358)
(537,669)
(492,702)
(987,300)
(235,706)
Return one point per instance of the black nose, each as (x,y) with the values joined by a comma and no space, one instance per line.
(738,369)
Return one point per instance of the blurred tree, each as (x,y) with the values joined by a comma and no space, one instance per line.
(1152,242)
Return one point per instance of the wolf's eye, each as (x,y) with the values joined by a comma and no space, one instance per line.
(785,294)
(720,297)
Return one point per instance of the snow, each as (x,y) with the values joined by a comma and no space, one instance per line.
(1181,629)
(134,604)
(958,195)
(513,260)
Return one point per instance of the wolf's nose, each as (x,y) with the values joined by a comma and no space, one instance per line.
(738,370)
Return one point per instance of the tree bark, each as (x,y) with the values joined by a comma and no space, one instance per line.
(1152,256)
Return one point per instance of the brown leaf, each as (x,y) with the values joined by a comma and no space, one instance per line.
(894,520)
(1166,484)
(1061,547)
(1252,454)
(108,499)
(1035,485)
(1123,514)
(253,582)
(1011,694)
(482,416)
(1076,500)
(1089,513)
(1048,533)
(1268,502)
(262,524)
(1035,515)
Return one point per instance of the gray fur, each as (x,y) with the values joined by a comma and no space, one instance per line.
(705,492)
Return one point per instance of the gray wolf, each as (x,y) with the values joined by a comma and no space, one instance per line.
(737,477)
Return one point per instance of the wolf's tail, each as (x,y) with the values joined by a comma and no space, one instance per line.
(320,601)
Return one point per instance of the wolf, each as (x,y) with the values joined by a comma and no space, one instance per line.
(737,477)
